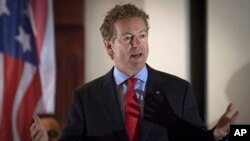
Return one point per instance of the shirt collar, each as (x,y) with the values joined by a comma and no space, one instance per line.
(120,77)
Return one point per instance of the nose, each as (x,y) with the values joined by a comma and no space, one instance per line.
(135,41)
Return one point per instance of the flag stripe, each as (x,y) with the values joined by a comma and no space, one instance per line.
(1,86)
(47,66)
(27,76)
(27,106)
(13,69)
(40,15)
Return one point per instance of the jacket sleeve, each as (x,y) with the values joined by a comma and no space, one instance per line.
(75,129)
(190,112)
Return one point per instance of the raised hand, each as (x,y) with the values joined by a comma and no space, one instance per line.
(37,131)
(222,128)
(158,110)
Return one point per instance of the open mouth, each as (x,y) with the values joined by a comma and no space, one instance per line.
(136,55)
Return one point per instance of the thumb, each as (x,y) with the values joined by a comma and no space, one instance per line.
(36,119)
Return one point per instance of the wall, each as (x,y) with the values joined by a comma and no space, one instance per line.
(228,58)
(167,36)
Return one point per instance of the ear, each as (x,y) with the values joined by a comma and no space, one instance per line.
(108,46)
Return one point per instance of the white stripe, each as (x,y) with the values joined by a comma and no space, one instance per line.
(31,16)
(1,84)
(27,76)
(47,65)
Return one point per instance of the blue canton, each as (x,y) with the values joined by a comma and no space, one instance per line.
(16,34)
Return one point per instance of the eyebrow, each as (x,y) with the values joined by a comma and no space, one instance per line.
(126,33)
(144,31)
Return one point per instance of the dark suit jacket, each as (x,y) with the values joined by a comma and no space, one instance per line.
(95,112)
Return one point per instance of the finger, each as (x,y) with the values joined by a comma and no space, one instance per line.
(149,118)
(35,133)
(152,105)
(150,109)
(35,123)
(32,127)
(234,117)
(38,136)
(149,113)
(36,118)
(229,109)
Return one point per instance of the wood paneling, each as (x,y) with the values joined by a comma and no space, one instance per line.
(69,53)
(69,12)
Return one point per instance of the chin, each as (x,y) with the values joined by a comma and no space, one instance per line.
(138,67)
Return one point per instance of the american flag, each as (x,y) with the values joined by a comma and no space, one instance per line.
(27,65)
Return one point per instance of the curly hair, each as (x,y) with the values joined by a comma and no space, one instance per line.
(120,12)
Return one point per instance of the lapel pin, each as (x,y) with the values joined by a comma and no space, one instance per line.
(157,92)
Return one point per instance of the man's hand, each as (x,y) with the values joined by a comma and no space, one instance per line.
(37,131)
(158,110)
(222,128)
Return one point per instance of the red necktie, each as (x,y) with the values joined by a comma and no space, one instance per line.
(132,112)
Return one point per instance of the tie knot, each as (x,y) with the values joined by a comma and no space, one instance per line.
(131,82)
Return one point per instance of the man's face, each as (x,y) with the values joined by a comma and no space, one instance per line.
(52,127)
(130,46)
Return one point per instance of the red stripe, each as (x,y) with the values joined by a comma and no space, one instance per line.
(27,107)
(13,69)
(40,10)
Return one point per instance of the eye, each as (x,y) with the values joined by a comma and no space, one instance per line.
(143,35)
(126,38)
(53,133)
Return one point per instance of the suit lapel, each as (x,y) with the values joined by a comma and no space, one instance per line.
(111,106)
(153,85)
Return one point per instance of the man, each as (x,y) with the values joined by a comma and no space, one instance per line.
(133,101)
(49,125)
